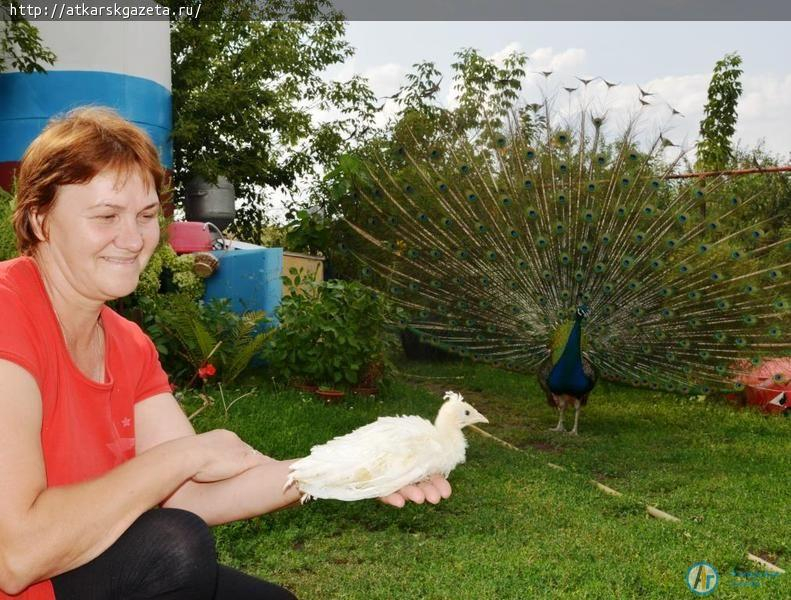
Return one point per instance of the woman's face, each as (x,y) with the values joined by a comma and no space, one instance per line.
(102,234)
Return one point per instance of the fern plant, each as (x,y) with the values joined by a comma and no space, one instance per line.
(202,334)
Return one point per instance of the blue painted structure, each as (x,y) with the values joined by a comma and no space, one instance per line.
(250,279)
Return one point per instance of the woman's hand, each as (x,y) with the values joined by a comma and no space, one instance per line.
(432,490)
(225,455)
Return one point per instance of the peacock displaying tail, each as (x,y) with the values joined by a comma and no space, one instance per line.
(551,244)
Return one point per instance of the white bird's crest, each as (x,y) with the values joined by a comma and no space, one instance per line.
(451,396)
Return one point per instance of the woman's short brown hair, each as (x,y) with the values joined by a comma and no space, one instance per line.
(72,150)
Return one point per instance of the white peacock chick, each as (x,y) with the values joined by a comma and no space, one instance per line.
(382,457)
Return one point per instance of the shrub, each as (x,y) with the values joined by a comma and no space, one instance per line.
(331,333)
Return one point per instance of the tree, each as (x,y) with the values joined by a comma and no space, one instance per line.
(719,123)
(488,95)
(21,47)
(246,84)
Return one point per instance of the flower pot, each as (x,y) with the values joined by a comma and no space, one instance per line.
(330,396)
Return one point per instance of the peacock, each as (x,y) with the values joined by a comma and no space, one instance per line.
(566,376)
(572,242)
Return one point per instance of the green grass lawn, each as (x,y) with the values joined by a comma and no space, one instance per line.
(514,527)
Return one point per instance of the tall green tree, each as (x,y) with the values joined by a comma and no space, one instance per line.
(715,150)
(21,47)
(247,82)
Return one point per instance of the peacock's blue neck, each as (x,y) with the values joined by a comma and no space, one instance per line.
(572,352)
(567,375)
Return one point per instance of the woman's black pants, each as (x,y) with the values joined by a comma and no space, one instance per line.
(166,554)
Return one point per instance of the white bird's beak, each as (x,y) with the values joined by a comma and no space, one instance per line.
(477,417)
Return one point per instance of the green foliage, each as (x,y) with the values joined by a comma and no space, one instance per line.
(719,123)
(187,332)
(773,192)
(487,92)
(7,235)
(167,280)
(168,272)
(273,236)
(191,334)
(330,332)
(20,44)
(245,76)
(309,233)
(488,95)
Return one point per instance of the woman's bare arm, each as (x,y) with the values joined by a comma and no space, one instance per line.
(252,493)
(46,531)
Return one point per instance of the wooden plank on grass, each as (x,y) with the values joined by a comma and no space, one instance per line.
(765,563)
(605,489)
(660,514)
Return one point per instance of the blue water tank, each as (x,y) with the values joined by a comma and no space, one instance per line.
(250,279)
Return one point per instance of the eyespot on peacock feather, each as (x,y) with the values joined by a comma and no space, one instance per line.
(543,227)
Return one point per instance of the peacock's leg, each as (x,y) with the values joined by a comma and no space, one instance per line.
(577,406)
(560,402)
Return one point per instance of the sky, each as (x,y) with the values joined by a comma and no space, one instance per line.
(672,60)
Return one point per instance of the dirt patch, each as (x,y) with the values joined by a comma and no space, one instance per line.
(771,557)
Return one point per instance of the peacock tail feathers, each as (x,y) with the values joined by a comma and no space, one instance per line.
(489,240)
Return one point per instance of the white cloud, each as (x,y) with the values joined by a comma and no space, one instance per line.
(764,111)
(499,56)
(384,80)
(563,63)
(567,61)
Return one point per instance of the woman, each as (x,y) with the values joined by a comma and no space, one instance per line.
(92,438)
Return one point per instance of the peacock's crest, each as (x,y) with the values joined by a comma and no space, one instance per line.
(490,240)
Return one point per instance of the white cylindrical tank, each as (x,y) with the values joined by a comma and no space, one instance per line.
(124,65)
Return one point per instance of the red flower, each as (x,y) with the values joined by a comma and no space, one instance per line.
(206,371)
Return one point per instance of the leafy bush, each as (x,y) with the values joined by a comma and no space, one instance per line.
(194,339)
(331,333)
(308,233)
(167,272)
